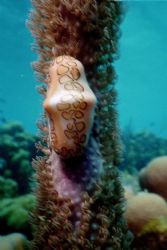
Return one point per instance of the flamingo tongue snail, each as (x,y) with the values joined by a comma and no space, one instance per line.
(69,105)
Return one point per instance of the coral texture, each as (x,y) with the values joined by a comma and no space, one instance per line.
(143,208)
(80,199)
(153,177)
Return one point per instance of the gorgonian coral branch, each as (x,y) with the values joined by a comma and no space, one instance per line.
(88,31)
(79,203)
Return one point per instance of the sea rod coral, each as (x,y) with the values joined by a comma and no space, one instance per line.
(79,195)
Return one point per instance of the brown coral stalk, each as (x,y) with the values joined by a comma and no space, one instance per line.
(91,216)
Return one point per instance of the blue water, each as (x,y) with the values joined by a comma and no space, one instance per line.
(142,74)
(142,82)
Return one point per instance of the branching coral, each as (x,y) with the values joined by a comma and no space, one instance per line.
(140,148)
(14,214)
(79,199)
(8,188)
(16,152)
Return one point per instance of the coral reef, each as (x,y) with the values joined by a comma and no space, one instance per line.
(140,148)
(80,199)
(14,241)
(153,236)
(14,214)
(8,188)
(153,177)
(142,208)
(129,192)
(144,167)
(16,152)
(130,180)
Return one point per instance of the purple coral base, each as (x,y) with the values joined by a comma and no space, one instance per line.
(72,177)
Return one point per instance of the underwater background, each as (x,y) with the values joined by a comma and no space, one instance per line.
(141,67)
(142,95)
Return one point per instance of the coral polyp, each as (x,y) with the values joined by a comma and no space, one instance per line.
(70,105)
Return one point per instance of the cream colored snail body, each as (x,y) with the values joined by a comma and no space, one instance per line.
(70,105)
